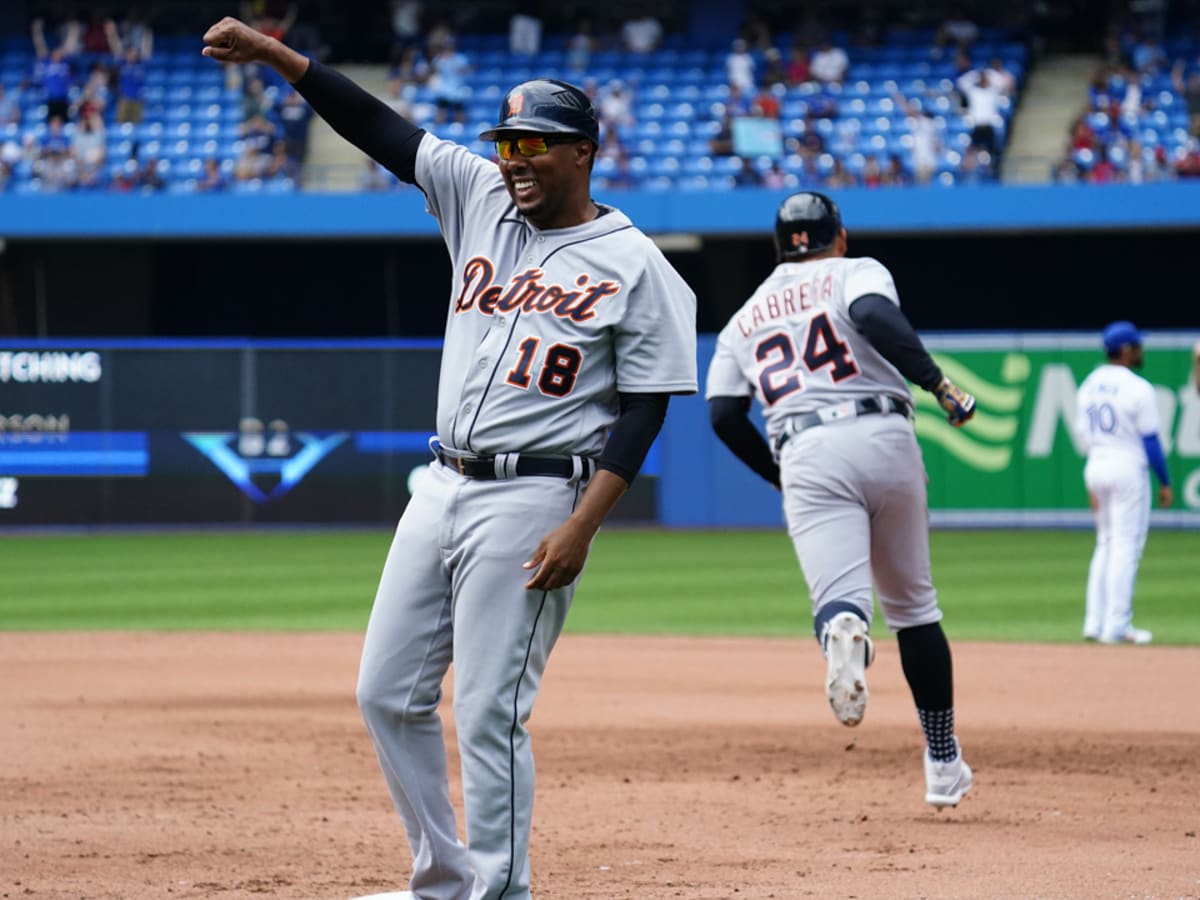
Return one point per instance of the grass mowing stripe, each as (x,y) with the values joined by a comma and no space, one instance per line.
(993,585)
(267,580)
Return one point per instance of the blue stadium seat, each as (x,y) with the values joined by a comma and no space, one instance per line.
(793,163)
(649,112)
(793,109)
(659,183)
(607,58)
(851,108)
(645,146)
(676,147)
(664,165)
(119,148)
(250,186)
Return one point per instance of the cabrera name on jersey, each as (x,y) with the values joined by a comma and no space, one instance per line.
(794,347)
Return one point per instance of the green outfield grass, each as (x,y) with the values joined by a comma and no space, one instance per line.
(994,585)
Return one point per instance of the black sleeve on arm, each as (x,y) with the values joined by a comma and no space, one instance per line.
(731,422)
(637,426)
(362,119)
(890,332)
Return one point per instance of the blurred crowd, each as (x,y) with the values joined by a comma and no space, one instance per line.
(89,83)
(1141,119)
(760,71)
(779,120)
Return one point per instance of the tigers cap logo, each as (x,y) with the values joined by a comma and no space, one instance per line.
(516,102)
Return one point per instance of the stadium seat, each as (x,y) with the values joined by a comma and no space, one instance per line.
(680,95)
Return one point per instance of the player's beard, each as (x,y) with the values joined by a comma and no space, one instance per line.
(536,206)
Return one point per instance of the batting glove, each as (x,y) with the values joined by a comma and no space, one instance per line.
(958,404)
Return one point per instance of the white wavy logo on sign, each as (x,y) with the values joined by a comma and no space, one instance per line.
(986,443)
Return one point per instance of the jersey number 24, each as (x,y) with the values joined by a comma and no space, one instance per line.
(778,374)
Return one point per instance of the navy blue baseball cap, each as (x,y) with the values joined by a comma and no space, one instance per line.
(1118,334)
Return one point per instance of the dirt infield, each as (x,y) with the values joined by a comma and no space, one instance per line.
(186,765)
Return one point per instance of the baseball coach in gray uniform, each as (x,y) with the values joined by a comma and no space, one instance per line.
(823,346)
(567,331)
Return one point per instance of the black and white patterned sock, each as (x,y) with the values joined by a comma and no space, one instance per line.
(938,725)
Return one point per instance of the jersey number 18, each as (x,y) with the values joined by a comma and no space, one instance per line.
(558,373)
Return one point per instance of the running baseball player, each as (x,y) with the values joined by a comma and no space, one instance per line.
(566,333)
(824,348)
(1117,417)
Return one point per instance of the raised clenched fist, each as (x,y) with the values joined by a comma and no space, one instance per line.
(233,41)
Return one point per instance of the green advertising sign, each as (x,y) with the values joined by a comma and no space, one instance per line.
(1018,459)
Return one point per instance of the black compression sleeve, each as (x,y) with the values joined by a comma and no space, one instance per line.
(890,332)
(637,426)
(733,426)
(366,122)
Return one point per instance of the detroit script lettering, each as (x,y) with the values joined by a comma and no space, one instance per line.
(525,292)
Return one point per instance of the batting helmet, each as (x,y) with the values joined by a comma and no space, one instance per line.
(547,106)
(806,223)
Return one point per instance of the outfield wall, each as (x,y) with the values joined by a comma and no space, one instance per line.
(1017,463)
(103,432)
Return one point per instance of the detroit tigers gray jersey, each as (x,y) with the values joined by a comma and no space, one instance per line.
(793,346)
(848,463)
(546,326)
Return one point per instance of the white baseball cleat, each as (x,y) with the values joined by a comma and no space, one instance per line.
(946,782)
(1132,636)
(849,651)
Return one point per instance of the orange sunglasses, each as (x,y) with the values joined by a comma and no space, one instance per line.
(531,146)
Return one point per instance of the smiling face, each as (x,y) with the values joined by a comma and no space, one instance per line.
(552,190)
